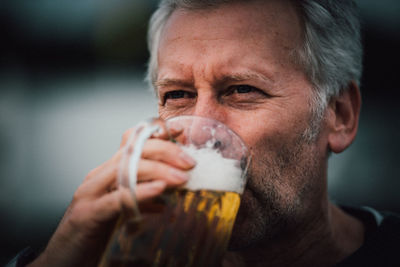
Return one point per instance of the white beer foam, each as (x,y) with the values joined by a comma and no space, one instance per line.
(213,172)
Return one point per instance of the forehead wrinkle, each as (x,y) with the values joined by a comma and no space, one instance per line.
(241,77)
(174,82)
(249,75)
(215,79)
(197,38)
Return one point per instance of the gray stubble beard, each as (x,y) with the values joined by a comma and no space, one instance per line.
(267,213)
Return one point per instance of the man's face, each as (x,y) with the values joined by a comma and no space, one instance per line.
(234,64)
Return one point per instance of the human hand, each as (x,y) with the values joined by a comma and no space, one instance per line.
(86,226)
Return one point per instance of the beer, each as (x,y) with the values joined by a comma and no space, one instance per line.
(179,228)
(190,225)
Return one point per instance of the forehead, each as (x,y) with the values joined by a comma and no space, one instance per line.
(272,20)
(263,33)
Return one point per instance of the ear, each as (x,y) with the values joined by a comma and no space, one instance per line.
(343,119)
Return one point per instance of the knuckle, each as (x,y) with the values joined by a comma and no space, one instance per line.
(115,159)
(126,135)
(115,172)
(115,201)
(76,215)
(77,195)
(90,174)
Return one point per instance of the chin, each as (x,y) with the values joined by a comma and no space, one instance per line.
(258,220)
(249,227)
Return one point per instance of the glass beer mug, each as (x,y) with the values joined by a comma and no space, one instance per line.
(189,225)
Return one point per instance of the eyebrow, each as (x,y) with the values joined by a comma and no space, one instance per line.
(244,76)
(235,77)
(173,82)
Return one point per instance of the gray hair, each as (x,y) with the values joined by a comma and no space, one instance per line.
(331,53)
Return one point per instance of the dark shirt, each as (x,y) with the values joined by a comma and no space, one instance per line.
(381,242)
(381,245)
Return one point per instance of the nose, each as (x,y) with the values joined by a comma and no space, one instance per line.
(208,106)
(205,131)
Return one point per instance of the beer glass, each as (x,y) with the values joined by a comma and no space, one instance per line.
(189,225)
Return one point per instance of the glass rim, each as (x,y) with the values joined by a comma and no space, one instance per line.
(232,132)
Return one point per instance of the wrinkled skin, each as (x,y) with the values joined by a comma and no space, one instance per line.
(235,64)
(242,74)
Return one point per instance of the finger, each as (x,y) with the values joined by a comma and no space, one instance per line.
(109,205)
(175,130)
(101,179)
(167,152)
(99,169)
(104,178)
(148,190)
(155,170)
(126,135)
(162,132)
(167,133)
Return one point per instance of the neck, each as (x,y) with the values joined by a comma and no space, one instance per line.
(323,241)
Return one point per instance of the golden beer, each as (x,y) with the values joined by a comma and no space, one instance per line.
(187,226)
(179,228)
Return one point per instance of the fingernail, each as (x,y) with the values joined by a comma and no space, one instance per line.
(183,176)
(159,132)
(187,159)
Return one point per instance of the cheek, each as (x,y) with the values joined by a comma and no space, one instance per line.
(274,148)
(262,135)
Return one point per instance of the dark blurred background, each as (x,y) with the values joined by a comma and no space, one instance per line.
(71,82)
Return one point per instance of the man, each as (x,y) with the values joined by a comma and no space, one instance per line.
(284,75)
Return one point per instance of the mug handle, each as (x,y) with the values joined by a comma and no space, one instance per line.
(139,137)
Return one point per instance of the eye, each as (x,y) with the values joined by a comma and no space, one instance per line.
(243,96)
(242,89)
(177,95)
(174,95)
